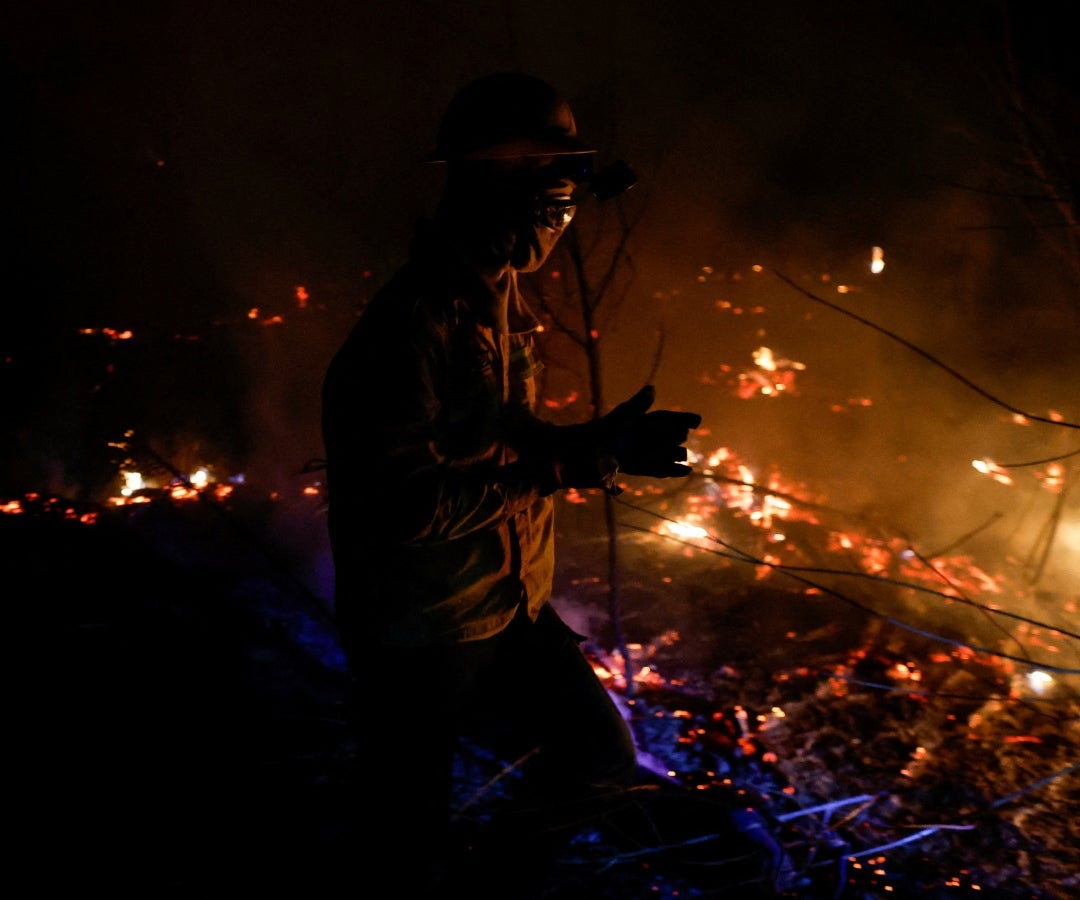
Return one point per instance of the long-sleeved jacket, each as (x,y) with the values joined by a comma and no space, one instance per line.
(437,533)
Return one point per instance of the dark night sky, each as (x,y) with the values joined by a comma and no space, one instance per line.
(176,164)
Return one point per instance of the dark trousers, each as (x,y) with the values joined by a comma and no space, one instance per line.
(530,694)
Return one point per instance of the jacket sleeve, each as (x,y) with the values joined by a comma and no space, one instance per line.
(388,474)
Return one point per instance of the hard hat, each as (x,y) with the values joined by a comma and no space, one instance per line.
(506,115)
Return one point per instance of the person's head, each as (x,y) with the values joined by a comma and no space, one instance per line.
(514,161)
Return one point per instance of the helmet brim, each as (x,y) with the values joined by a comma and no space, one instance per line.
(553,145)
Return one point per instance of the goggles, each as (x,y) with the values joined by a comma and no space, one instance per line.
(553,213)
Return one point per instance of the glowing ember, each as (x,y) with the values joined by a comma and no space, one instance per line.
(1053,479)
(114,334)
(988,467)
(1039,681)
(770,377)
(763,356)
(902,671)
(685,530)
(133,481)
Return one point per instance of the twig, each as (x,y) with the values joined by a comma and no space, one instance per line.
(506,770)
(827,807)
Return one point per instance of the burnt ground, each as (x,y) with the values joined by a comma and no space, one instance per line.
(179,729)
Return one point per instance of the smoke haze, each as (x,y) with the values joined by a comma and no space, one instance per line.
(183,171)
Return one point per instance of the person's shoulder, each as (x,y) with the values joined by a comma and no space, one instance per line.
(408,304)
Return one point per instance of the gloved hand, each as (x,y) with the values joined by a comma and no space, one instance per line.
(647,443)
(628,440)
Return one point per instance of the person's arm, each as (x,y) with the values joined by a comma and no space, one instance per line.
(385,450)
(629,440)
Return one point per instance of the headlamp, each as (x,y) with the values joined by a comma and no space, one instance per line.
(605,183)
(612,180)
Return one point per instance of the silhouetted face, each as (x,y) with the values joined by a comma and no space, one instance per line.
(515,210)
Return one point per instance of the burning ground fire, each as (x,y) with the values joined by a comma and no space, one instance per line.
(850,781)
(835,751)
(842,757)
(923,704)
(138,490)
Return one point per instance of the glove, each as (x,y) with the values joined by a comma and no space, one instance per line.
(629,440)
(647,443)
